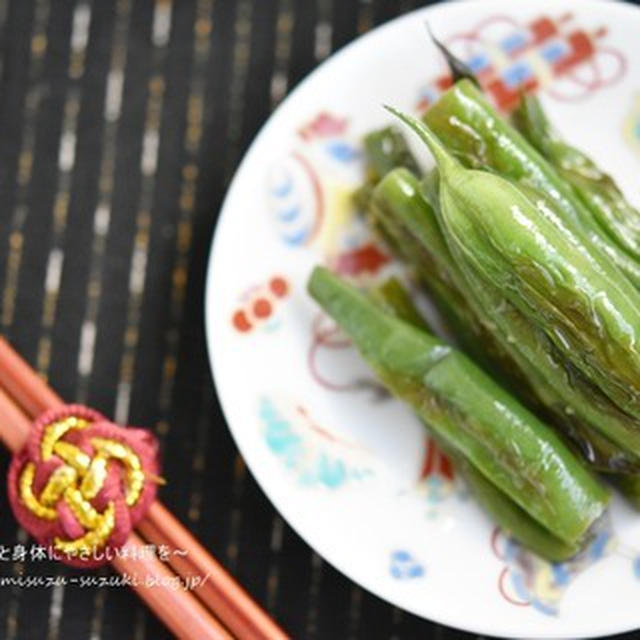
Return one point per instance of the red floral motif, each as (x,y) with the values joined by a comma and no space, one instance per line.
(531,56)
(324,125)
(435,462)
(326,336)
(497,537)
(368,258)
(260,305)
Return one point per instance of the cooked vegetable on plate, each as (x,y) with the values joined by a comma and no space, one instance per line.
(532,256)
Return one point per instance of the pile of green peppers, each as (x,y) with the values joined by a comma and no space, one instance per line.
(532,255)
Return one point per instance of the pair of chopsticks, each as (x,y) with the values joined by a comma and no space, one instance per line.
(218,607)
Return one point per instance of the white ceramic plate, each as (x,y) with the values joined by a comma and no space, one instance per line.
(352,471)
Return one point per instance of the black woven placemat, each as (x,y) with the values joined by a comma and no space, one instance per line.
(121,123)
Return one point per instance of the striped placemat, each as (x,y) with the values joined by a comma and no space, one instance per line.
(121,123)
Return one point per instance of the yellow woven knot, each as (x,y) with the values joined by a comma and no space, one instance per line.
(81,481)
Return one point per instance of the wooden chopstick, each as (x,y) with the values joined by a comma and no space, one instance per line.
(181,612)
(15,425)
(220,592)
(217,590)
(23,384)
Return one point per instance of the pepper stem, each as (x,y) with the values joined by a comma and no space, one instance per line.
(443,158)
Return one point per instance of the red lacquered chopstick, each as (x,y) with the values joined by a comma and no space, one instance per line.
(178,609)
(217,589)
(185,616)
(221,592)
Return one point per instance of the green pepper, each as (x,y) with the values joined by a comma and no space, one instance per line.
(400,189)
(565,287)
(519,454)
(395,299)
(511,518)
(396,198)
(398,205)
(629,486)
(554,386)
(560,387)
(599,452)
(597,190)
(496,335)
(384,150)
(479,137)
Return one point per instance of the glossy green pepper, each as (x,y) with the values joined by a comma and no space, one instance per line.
(597,190)
(397,198)
(496,335)
(577,407)
(384,149)
(399,207)
(519,454)
(563,286)
(609,437)
(479,137)
(511,518)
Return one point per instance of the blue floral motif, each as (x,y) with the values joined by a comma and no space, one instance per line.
(342,151)
(314,461)
(284,188)
(404,566)
(631,552)
(439,489)
(542,584)
(331,473)
(292,211)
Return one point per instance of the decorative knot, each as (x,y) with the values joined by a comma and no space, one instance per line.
(81,483)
